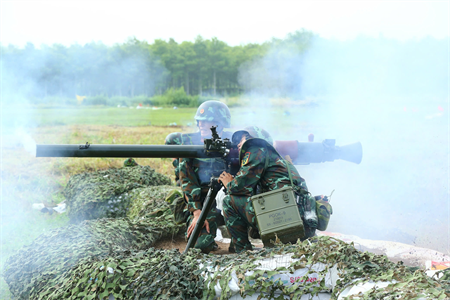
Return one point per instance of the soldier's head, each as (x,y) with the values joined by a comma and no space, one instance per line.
(173,138)
(251,132)
(212,113)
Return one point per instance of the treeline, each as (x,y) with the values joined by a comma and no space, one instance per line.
(133,68)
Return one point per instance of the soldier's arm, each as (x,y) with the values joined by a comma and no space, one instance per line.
(249,173)
(190,184)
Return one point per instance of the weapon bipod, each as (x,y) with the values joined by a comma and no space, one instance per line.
(214,188)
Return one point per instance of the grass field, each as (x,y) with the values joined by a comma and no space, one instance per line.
(82,115)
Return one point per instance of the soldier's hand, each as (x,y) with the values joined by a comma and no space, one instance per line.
(225,178)
(194,222)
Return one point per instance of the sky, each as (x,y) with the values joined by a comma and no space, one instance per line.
(234,22)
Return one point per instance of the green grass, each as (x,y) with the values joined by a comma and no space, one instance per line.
(97,115)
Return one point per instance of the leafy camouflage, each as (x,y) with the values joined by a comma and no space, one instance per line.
(353,267)
(105,193)
(36,267)
(148,274)
(145,201)
(214,111)
(115,260)
(237,207)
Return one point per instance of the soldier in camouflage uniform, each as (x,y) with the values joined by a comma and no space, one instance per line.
(195,173)
(261,168)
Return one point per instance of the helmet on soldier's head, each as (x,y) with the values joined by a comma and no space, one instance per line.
(173,138)
(253,132)
(214,111)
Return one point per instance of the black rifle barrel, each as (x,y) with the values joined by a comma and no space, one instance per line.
(95,150)
(301,153)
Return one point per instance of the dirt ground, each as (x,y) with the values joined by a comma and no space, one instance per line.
(179,242)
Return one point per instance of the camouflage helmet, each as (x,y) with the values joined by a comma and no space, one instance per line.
(253,132)
(214,111)
(173,138)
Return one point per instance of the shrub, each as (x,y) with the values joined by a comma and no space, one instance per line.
(96,100)
(175,97)
(141,99)
(119,100)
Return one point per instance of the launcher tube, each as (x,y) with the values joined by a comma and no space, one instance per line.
(161,151)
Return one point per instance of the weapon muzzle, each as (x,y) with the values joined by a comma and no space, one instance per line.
(351,152)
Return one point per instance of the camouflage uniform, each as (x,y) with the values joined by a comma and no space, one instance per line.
(237,207)
(195,173)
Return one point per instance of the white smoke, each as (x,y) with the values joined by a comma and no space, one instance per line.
(392,97)
(26,141)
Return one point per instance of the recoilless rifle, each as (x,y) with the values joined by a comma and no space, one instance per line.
(300,153)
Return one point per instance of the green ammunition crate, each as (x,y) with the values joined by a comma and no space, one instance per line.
(277,213)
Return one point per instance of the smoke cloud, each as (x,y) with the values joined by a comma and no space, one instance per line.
(27,90)
(391,96)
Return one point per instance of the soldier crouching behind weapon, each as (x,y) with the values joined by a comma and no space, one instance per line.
(195,174)
(261,168)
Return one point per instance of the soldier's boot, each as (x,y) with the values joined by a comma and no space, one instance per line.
(219,218)
(309,233)
(254,233)
(209,248)
(231,248)
(215,247)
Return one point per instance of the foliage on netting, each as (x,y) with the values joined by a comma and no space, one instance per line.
(166,274)
(444,278)
(53,253)
(105,194)
(148,205)
(147,202)
(318,256)
(150,274)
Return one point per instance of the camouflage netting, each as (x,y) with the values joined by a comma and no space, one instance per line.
(100,258)
(106,193)
(167,274)
(149,201)
(149,274)
(36,267)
